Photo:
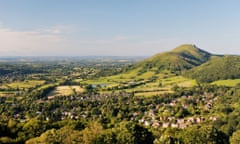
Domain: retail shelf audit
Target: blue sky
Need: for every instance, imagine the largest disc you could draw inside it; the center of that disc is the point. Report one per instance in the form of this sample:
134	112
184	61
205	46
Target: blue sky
117	27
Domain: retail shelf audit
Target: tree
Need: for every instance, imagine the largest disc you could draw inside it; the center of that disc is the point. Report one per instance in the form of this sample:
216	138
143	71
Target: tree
64	135
12	124
235	138
169	136
33	128
203	134
49	136
130	132
107	137
91	134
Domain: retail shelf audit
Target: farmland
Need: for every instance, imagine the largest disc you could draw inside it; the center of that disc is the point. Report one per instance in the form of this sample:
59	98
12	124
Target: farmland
114	99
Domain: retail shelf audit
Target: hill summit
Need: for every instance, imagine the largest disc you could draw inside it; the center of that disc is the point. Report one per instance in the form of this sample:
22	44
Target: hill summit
192	53
183	57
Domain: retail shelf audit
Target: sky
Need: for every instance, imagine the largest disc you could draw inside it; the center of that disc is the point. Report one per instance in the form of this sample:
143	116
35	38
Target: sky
117	27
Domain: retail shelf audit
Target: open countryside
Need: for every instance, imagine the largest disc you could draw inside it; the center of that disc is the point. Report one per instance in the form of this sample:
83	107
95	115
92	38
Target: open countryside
153	100
119	72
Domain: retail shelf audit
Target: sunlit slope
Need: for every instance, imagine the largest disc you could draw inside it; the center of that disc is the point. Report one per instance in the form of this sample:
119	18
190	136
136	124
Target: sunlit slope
157	74
181	58
161	65
217	68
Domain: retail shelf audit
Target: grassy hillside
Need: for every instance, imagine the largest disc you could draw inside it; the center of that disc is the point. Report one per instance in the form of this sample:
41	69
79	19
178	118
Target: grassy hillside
218	68
182	66
181	58
229	82
157	74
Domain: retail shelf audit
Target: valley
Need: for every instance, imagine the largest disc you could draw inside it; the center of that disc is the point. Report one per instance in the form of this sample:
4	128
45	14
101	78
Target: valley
171	97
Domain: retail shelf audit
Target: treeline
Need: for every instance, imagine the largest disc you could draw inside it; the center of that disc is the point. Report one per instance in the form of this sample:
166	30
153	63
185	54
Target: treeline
95	133
197	134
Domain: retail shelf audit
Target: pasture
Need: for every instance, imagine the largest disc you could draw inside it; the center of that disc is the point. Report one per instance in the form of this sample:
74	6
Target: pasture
65	91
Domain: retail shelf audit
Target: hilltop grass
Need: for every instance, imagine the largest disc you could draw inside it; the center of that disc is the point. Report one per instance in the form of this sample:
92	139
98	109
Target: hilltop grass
229	82
181	58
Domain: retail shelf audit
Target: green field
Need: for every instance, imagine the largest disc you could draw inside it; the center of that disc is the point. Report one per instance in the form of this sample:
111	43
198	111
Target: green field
65	91
25	84
163	82
229	82
4	94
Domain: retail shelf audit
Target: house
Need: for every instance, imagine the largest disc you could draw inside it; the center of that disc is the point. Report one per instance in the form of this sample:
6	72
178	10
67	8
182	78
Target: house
166	125
156	124
175	125
147	123
213	118
141	120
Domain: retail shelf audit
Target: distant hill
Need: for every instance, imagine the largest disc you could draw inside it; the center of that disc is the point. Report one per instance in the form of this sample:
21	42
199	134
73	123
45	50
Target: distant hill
181	58
191	62
217	68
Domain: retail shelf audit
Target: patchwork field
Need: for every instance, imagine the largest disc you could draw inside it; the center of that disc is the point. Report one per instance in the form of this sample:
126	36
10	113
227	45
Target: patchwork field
25	84
145	84
65	91
4	94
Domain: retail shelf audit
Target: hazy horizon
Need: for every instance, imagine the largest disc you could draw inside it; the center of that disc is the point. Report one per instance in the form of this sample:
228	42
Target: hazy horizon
116	28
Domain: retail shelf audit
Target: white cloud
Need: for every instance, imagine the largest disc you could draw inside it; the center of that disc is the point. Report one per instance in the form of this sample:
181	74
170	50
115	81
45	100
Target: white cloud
59	29
30	42
55	41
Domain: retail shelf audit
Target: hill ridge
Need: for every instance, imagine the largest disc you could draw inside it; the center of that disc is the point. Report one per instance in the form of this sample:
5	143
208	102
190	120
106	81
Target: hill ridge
217	68
181	58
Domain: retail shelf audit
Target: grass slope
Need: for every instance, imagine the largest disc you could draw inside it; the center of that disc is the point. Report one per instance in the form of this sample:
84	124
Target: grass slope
181	58
229	82
157	74
218	68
